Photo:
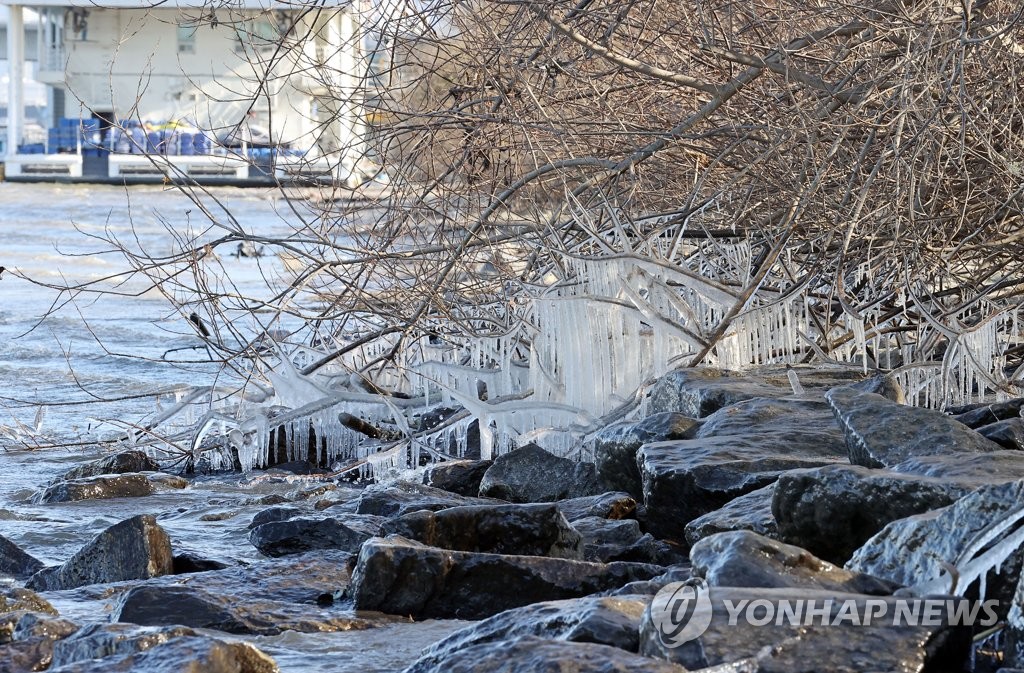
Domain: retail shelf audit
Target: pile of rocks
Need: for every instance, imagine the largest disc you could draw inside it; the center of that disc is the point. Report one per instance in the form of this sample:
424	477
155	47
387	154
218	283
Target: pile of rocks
840	494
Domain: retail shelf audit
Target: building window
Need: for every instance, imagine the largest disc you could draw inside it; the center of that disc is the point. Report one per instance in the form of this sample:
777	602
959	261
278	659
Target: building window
186	38
260	34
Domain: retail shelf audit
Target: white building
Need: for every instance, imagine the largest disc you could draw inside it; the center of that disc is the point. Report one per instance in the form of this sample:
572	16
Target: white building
242	73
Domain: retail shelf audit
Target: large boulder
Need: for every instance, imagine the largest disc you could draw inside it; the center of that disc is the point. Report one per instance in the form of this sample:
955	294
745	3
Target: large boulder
402	577
606	620
699	391
529	654
531	474
1008	434
913	550
833	636
688	478
457	476
616	505
15	562
833	510
881	433
119	463
615	447
997	467
28	646
403	497
98	488
100	640
272	514
751	511
137	548
295	536
187	606
745	559
807	421
529	530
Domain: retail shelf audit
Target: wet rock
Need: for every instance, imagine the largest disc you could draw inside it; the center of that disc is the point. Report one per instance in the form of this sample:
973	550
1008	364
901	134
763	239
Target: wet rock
885	385
997	467
688	478
97	641
655	584
294	536
833	510
607	540
274	514
191	654
98	488
745	559
32	641
528	530
169	481
615	447
1008	434
807	421
752	511
700	391
808	646
977	415
136	548
126	461
911	551
14	599
457	476
606	620
881	433
1015	628
531	474
187	606
403	577
186	562
607	506
15	562
392	500
529	654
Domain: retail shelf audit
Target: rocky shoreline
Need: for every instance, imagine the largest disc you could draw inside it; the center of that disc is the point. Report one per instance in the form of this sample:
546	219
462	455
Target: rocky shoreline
730	481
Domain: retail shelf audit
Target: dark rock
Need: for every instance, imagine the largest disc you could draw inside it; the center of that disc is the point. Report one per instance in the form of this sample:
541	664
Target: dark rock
402	577
978	415
186	562
392	500
809	646
274	514
700	391
136	548
186	606
294	536
1008	434
808	421
457	476
881	433
655	584
833	510
745	559
751	511
607	506
31	642
607	540
98	488
615	447
97	641
531	474
606	620
300	467
688	478
536	655
170	481
997	467
126	461
528	530
911	551
191	654
1015	628
885	385
16	563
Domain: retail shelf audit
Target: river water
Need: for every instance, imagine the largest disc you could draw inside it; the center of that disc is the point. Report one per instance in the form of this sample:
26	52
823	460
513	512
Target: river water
58	351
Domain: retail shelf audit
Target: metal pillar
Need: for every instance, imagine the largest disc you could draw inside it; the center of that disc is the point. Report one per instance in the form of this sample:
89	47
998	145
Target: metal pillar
16	75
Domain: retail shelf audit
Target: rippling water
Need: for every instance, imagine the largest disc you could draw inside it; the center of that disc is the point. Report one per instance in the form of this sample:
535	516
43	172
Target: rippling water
52	355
